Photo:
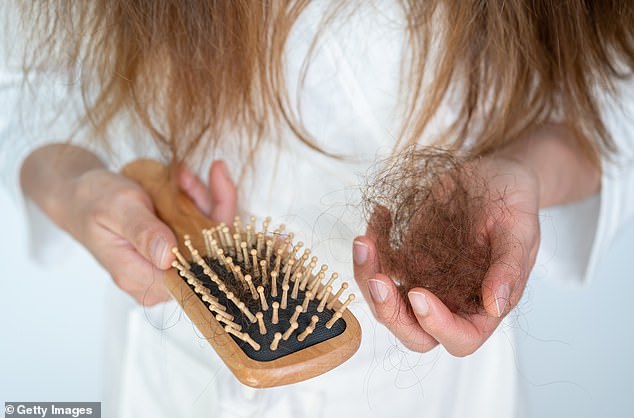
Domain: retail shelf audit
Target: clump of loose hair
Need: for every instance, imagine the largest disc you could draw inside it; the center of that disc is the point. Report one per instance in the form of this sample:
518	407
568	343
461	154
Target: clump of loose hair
427	208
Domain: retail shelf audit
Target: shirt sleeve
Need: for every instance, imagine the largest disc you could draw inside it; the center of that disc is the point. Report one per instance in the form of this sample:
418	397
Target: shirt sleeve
617	184
36	108
576	237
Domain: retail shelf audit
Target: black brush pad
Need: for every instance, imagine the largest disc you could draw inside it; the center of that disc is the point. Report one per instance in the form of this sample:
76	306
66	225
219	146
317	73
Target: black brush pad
292	345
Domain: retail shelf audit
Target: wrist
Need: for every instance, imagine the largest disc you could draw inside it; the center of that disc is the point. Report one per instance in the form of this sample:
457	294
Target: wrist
562	170
50	176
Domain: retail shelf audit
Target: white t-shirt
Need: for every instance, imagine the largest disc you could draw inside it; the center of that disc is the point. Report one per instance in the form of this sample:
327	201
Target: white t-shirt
163	368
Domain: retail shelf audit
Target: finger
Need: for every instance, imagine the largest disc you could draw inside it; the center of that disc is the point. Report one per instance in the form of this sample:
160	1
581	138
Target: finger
506	275
191	184
224	197
382	295
132	218
364	254
366	265
459	335
131	271
381	292
391	310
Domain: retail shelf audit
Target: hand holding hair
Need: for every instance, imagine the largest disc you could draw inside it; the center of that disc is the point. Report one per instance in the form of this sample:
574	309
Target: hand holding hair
450	244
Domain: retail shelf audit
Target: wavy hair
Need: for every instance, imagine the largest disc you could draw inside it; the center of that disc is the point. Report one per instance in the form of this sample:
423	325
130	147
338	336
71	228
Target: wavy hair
190	71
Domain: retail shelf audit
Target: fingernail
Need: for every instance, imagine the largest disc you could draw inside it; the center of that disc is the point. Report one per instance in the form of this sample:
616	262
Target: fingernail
419	303
359	252
502	298
378	290
159	251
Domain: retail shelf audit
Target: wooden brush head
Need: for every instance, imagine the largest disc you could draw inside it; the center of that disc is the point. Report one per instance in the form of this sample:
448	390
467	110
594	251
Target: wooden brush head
269	312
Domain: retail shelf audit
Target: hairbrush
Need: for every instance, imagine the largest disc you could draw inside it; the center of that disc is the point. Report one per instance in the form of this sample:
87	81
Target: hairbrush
272	315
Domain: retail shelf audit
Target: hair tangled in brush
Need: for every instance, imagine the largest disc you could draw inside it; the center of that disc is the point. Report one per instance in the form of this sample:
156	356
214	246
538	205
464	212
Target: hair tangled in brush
428	209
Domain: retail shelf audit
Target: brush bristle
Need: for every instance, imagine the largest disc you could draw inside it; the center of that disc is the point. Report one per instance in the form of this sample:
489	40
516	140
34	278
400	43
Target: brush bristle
267	296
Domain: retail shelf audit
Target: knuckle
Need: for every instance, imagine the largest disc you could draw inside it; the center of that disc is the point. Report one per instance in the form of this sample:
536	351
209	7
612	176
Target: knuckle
419	346
390	318
98	215
463	351
123	196
149	300
153	299
143	235
458	352
124	283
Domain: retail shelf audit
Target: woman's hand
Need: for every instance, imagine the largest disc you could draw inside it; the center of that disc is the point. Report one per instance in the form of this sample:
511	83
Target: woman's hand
114	218
432	322
544	169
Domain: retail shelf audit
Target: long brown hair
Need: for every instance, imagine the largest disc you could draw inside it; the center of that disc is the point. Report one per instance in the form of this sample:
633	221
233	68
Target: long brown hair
190	71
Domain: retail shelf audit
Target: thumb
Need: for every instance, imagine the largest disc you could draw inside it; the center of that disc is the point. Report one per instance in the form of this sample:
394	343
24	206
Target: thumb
505	276
136	222
224	197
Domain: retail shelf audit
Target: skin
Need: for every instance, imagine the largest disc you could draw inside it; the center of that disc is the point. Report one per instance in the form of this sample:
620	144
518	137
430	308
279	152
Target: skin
545	168
114	219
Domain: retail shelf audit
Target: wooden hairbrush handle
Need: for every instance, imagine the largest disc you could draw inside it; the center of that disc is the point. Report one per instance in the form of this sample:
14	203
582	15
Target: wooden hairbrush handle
179	212
172	205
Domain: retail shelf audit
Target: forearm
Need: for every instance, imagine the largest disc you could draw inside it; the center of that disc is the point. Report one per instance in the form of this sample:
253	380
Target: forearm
564	172
48	172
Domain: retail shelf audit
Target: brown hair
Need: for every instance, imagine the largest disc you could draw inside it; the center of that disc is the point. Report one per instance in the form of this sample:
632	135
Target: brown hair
428	210
192	71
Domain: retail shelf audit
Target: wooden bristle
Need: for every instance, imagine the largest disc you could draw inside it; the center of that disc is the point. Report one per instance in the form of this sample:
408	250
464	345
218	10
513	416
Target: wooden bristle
228	322
246	311
276	341
298	310
254	292
274	316
221	237
278	261
269	250
221	256
332	320
180	258
221	310
322	304
309	329
273	284
346	303
295	291
265	225
265	306
243	336
335	298
259	316
245	255
290	330
264	273
237	226
260	244
254	261
228	239
307	298
236	245
287	273
284	296
249	241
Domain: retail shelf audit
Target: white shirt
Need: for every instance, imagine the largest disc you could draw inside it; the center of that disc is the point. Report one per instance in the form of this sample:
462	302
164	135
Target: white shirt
165	369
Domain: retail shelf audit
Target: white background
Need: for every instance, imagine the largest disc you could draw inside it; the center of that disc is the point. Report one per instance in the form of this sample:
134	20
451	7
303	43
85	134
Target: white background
575	351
